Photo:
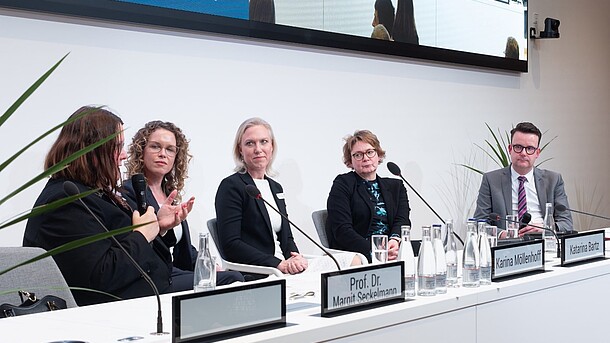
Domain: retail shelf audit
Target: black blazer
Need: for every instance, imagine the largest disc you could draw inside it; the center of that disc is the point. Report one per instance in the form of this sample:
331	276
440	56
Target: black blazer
350	211
244	227
101	265
185	254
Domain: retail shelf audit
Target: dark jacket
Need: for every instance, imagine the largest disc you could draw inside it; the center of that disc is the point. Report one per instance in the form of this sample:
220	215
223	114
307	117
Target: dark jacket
350	211
184	253
244	227
100	265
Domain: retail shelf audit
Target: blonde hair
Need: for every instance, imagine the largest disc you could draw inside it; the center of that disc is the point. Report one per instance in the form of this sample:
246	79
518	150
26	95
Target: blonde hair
240	165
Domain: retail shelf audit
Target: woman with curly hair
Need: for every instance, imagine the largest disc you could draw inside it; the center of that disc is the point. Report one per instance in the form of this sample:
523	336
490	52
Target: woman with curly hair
160	151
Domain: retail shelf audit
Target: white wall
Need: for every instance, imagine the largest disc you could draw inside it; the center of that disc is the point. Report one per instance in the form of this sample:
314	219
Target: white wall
427	115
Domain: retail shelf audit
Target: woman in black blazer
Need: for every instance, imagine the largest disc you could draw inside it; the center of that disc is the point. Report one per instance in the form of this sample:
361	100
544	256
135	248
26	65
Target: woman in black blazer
361	203
160	151
247	231
101	265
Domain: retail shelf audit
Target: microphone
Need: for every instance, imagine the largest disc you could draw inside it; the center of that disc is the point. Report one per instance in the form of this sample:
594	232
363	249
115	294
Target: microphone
395	170
523	222
562	208
256	194
139	186
71	189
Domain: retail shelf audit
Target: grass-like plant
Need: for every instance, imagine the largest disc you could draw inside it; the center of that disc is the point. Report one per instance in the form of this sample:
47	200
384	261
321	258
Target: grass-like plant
499	149
54	169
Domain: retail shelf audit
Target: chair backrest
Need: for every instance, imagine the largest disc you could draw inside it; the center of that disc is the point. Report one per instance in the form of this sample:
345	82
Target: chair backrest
319	221
213	228
42	277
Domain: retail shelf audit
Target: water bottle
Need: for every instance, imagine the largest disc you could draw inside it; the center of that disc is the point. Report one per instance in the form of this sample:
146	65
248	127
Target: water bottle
470	258
550	243
406	255
426	265
440	261
484	258
204	276
451	256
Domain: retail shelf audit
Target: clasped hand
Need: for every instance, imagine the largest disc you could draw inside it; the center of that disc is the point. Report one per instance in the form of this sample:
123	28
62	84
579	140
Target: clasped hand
293	265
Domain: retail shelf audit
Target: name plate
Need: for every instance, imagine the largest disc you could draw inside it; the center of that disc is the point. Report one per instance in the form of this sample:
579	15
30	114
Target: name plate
360	288
518	258
581	247
229	312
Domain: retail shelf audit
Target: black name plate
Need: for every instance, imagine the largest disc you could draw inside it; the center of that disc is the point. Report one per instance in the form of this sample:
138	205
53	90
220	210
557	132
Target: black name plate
518	258
356	289
582	247
229	312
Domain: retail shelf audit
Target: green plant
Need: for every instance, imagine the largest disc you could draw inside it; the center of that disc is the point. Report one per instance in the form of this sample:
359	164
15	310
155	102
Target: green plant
499	150
57	167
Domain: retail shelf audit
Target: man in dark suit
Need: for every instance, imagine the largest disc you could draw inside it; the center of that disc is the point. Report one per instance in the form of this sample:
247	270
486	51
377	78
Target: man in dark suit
521	187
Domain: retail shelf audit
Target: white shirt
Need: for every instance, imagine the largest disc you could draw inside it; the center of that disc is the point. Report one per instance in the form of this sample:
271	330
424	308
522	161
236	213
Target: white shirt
274	217
533	207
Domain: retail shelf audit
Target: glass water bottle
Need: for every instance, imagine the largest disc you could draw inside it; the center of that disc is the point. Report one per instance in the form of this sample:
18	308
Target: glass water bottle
470	258
550	242
204	276
451	256
406	255
440	261
426	265
484	257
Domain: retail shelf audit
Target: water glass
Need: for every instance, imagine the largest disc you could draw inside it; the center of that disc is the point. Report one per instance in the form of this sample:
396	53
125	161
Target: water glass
379	249
512	226
492	235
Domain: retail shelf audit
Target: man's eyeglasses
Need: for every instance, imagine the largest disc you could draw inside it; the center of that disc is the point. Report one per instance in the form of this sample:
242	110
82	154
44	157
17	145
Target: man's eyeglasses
530	150
170	150
360	155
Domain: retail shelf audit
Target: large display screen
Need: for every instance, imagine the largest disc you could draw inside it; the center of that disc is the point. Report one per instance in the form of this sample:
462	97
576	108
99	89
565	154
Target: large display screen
485	33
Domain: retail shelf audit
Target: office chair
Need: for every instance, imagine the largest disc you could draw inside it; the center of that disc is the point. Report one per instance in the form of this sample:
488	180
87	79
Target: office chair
240	267
42	277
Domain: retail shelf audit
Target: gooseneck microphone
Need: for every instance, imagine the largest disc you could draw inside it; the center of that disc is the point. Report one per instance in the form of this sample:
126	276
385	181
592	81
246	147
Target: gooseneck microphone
256	194
562	208
523	222
71	189
395	170
139	186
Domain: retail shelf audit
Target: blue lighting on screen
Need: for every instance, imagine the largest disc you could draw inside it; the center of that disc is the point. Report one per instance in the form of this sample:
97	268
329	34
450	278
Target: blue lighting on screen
226	8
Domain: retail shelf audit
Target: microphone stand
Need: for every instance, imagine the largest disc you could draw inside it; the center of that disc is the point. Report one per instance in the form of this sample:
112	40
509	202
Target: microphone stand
71	189
256	194
395	170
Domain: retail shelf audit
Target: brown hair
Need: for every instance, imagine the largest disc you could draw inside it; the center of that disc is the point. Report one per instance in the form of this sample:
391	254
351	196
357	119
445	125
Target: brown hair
175	178
526	127
361	136
98	168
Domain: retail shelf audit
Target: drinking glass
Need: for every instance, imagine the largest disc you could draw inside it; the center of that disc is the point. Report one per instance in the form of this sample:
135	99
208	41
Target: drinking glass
512	226
379	249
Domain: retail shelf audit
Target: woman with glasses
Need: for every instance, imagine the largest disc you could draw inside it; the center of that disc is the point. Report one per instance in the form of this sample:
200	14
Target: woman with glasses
361	203
99	266
249	230
160	151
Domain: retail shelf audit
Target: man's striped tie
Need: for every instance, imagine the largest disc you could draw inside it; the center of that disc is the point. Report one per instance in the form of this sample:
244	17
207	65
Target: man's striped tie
522	202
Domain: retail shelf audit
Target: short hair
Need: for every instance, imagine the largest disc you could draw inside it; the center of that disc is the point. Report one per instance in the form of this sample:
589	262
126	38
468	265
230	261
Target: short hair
512	48
361	136
380	32
385	14
262	10
175	178
526	127
240	165
98	168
